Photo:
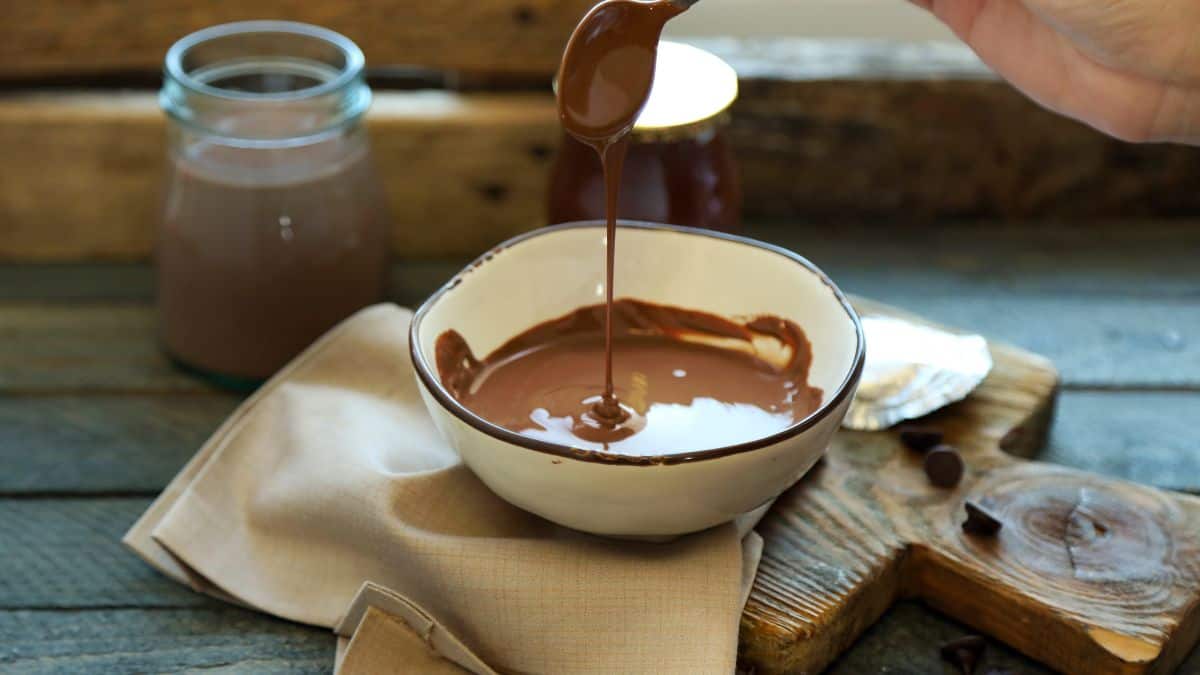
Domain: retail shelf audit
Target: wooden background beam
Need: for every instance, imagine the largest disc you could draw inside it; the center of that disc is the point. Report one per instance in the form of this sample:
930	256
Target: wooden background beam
51	37
826	132
83	171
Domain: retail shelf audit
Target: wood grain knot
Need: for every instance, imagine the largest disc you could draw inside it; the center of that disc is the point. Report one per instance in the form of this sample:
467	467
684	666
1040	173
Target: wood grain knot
1106	552
1083	531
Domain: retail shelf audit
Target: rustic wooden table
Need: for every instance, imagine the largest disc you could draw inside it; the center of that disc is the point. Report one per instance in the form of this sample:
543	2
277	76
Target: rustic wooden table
94	421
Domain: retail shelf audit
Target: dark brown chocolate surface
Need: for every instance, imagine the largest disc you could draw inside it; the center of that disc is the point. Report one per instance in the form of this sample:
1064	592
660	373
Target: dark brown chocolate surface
687	380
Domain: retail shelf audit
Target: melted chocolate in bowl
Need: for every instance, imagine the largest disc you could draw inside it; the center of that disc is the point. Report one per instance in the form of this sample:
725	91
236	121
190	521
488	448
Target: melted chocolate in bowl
687	380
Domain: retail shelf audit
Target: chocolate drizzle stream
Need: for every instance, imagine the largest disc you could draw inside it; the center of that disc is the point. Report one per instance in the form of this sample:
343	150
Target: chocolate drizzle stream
603	82
612	157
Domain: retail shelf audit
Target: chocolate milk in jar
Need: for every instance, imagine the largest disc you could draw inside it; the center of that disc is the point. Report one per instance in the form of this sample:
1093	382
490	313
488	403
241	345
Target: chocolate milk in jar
274	226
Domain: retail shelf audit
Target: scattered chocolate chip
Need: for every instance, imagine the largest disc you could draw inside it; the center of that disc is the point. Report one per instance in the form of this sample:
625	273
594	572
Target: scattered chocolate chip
964	653
944	466
540	151
980	521
920	438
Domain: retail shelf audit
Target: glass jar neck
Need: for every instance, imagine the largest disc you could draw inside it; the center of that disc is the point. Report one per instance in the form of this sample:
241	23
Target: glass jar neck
265	83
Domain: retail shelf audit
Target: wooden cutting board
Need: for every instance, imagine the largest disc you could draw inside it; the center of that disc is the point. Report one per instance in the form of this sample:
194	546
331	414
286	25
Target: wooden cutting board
1088	575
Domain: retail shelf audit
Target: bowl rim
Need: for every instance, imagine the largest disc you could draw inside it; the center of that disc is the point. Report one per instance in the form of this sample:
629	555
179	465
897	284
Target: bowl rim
434	385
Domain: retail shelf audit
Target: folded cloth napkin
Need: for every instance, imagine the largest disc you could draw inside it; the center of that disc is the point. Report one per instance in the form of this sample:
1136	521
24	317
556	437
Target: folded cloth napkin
332	478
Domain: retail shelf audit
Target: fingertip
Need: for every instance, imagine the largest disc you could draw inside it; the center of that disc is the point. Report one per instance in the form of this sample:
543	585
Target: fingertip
958	15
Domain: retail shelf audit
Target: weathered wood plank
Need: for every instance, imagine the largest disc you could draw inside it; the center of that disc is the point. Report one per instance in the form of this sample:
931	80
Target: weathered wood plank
895	147
1094	341
224	639
904	642
1112	309
124	444
107	444
76	282
99	347
67	553
1116	259
71	36
1145	437
57	283
833	131
877	99
1071	258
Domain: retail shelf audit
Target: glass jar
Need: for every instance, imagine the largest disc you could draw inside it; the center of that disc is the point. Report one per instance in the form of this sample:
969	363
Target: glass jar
680	168
274	227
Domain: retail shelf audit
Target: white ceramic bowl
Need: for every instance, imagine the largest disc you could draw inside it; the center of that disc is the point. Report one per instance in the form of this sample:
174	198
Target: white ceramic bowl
549	272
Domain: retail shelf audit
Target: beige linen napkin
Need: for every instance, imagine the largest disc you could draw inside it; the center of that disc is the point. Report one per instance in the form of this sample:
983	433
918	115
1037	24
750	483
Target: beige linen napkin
332	475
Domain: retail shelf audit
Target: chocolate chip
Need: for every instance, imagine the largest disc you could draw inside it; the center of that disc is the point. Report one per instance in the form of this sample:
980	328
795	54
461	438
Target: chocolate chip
964	653
944	466
920	438
980	521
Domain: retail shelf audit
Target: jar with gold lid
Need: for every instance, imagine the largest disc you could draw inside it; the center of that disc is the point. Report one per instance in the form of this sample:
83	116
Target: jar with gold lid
680	167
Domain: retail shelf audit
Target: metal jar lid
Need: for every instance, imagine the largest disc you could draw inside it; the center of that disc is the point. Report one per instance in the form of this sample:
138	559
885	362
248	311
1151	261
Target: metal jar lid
691	95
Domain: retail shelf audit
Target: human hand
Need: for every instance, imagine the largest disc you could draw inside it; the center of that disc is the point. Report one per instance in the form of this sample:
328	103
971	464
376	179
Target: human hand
1130	68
